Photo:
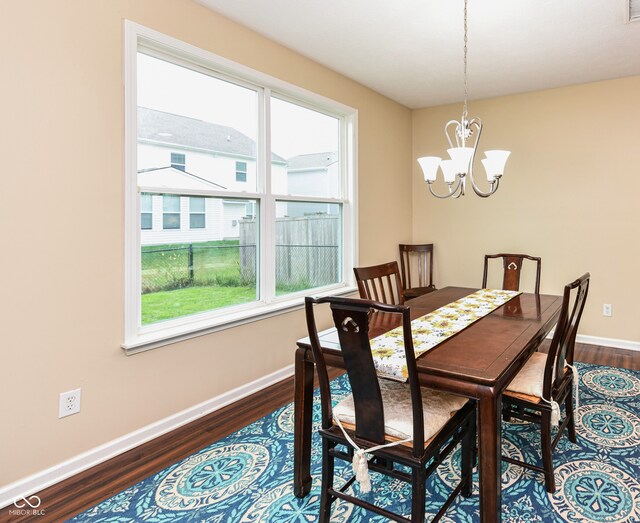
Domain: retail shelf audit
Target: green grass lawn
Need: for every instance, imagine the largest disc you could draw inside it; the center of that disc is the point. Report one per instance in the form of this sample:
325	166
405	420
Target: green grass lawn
165	305
223	275
166	267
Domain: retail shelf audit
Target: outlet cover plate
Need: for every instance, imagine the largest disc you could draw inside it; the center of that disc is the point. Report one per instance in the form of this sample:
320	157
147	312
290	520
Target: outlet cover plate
69	403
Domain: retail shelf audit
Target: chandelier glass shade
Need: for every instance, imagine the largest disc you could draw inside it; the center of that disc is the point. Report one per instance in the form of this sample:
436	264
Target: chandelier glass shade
463	137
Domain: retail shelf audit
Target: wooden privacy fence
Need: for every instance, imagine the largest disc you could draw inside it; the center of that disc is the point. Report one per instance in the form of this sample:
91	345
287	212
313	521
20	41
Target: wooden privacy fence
307	250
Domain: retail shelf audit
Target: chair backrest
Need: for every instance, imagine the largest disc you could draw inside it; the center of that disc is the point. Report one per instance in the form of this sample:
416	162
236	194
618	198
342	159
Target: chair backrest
380	283
419	257
512	264
351	317
564	336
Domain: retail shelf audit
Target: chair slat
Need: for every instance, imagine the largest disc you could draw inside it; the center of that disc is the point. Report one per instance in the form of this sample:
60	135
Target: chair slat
380	283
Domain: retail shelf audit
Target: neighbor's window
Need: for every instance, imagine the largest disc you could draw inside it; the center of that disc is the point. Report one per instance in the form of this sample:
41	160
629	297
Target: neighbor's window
170	211
146	212
197	218
178	161
265	227
241	171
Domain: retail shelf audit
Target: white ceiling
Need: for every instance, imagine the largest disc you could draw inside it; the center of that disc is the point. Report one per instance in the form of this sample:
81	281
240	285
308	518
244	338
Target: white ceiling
411	51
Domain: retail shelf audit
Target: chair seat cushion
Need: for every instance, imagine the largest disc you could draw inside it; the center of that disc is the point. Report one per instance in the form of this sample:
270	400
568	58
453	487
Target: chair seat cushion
398	419
530	379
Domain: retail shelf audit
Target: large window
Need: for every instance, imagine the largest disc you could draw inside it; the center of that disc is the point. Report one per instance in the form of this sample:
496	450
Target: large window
265	214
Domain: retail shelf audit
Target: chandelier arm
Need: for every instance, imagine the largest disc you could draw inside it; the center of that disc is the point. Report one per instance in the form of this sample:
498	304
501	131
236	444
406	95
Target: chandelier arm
446	130
482	194
477	122
441	196
452	192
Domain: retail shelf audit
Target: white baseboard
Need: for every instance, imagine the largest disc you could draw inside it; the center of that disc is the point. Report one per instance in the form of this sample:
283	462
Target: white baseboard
41	480
608	342
605	342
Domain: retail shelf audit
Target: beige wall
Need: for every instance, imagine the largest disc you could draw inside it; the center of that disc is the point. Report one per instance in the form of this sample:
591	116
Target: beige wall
62	294
569	195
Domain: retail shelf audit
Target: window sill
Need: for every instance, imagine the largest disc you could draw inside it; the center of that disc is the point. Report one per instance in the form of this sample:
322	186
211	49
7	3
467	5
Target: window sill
175	334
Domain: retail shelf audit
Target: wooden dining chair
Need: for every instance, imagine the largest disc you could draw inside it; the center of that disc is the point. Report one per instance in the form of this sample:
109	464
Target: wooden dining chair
380	283
512	264
397	423
548	380
420	258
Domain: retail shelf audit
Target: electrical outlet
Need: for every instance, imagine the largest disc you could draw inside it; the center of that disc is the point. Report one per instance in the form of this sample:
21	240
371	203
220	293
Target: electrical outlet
606	309
69	403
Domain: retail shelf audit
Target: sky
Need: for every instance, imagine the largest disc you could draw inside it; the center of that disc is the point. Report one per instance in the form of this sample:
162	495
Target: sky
171	88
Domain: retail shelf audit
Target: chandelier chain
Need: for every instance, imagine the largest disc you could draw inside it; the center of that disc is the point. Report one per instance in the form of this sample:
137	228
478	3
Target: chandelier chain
464	112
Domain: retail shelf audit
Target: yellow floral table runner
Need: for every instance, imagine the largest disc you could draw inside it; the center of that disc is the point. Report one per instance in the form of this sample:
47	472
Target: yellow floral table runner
433	328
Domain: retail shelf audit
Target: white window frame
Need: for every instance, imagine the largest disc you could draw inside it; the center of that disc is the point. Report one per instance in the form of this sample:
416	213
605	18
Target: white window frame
139	338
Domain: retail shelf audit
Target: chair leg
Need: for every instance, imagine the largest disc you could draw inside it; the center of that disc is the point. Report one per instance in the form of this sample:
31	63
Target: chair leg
547	461
506	412
327	481
467	456
418	494
571	425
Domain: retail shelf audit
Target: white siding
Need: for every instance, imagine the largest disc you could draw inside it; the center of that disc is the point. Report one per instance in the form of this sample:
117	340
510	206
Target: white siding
233	213
220	216
213	224
217	169
323	181
279	179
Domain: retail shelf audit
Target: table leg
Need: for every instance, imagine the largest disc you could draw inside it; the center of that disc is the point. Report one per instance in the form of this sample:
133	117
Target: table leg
303	406
489	443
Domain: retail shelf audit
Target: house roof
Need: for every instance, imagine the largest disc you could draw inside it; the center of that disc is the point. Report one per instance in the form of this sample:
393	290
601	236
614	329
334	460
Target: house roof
312	161
183	131
175	179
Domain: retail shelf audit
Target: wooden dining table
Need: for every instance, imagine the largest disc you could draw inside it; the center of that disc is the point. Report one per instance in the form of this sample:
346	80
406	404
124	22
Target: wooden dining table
477	362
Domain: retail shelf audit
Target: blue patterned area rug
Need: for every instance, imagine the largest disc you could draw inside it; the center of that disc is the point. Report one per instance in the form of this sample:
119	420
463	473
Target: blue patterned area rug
247	477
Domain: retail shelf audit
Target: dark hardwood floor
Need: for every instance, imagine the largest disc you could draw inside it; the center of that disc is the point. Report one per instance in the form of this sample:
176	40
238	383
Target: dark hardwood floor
80	492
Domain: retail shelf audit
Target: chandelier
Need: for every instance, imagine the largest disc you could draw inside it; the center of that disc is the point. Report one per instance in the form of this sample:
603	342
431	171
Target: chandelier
465	134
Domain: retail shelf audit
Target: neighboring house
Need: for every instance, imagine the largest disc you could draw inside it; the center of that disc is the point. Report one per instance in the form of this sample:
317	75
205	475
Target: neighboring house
166	218
315	174
178	152
217	153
